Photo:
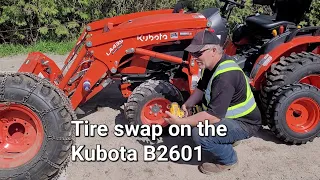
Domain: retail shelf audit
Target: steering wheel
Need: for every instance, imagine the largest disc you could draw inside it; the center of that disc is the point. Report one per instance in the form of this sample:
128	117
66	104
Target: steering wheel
241	5
228	6
183	4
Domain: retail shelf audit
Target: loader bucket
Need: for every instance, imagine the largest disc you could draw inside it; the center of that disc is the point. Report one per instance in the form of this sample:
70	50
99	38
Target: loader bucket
40	65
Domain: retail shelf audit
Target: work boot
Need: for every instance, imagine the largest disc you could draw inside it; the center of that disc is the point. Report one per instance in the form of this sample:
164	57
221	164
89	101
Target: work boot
210	168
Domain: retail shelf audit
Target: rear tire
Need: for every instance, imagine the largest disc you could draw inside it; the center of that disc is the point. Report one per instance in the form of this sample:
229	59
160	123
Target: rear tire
299	122
148	102
289	70
42	115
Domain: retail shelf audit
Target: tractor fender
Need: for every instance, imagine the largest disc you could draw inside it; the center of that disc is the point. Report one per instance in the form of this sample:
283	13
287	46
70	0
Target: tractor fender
265	60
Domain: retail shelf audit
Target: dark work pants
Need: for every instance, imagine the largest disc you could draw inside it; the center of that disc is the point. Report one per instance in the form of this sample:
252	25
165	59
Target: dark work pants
221	147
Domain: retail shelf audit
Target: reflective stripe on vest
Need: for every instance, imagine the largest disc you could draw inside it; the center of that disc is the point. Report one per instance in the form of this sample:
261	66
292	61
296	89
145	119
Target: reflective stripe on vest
237	110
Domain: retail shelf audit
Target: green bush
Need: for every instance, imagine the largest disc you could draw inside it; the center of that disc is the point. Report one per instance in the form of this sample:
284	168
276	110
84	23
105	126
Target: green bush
313	17
28	21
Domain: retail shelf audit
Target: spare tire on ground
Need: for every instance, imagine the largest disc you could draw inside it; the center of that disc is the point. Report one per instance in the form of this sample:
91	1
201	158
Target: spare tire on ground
36	134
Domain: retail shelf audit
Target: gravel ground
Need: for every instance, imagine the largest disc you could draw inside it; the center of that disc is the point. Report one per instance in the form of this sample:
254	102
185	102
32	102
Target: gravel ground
260	157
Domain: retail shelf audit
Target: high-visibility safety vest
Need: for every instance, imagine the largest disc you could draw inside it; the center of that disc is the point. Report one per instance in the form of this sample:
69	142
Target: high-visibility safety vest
238	110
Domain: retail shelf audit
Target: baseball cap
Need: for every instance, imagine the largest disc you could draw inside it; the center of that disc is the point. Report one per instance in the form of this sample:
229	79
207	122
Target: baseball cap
201	39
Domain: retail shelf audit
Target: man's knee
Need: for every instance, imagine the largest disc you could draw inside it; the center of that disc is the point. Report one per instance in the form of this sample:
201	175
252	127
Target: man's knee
204	141
195	135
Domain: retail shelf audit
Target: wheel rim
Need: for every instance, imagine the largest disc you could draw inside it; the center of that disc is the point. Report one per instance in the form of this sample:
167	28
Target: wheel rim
312	80
153	111
303	115
21	135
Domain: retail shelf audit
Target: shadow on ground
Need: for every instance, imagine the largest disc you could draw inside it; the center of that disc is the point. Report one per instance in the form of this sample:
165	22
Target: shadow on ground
109	97
266	134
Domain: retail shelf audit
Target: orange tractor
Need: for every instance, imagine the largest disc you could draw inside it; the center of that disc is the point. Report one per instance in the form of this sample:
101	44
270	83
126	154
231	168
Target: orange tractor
145	51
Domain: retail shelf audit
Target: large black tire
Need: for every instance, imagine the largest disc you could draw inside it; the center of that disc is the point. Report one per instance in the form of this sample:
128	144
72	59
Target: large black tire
53	111
288	70
145	92
277	113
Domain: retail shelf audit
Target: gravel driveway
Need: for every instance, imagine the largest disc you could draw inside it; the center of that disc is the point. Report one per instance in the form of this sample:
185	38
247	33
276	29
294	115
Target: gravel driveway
260	157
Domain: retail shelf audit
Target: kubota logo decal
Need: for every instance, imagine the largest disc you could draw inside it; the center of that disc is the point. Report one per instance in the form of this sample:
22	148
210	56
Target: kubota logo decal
150	37
115	47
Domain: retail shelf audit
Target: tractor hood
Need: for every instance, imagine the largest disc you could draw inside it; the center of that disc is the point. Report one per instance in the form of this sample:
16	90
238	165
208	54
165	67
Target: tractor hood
151	24
159	22
172	20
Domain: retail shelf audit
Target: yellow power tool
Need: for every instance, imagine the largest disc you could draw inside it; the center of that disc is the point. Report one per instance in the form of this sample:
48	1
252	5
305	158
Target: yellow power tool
176	110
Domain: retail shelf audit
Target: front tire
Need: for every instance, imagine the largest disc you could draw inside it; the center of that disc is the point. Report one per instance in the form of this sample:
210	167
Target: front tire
36	134
149	101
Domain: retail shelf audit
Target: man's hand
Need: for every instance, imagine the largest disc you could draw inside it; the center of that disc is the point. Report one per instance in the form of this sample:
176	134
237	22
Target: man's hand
195	98
192	120
172	118
186	110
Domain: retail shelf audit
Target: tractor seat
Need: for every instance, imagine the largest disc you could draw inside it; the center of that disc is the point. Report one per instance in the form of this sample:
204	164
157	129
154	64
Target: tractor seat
265	22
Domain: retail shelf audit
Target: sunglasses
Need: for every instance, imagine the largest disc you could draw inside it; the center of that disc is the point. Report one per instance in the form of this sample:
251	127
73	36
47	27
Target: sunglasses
199	53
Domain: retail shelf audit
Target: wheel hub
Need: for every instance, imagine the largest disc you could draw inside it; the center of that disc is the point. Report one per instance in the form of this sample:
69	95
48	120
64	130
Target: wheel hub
154	111
21	135
302	115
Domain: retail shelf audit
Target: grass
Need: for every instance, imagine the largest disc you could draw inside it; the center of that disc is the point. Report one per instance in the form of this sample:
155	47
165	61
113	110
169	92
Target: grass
60	48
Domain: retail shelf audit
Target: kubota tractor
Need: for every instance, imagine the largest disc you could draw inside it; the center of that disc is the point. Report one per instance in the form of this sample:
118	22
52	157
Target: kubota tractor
145	51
